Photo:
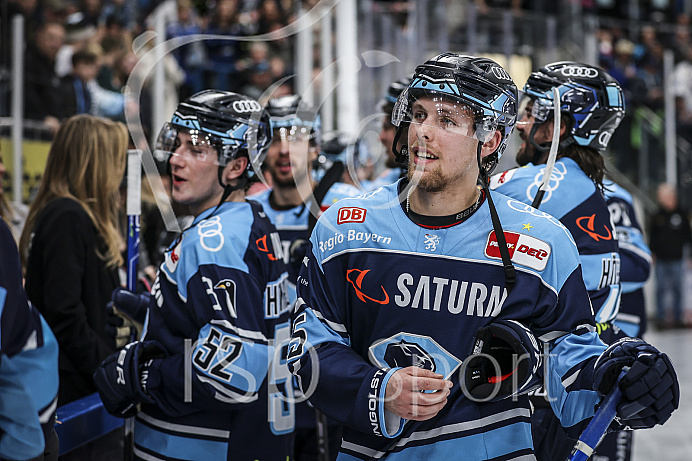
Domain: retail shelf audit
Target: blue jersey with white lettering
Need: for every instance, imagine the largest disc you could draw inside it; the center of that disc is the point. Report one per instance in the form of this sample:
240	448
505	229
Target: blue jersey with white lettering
573	198
292	225
220	308
376	285
28	363
635	256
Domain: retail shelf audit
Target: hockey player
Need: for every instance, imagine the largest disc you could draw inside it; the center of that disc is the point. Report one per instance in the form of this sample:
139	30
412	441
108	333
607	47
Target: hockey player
289	204
295	199
402	285
631	318
591	107
635	255
28	366
210	371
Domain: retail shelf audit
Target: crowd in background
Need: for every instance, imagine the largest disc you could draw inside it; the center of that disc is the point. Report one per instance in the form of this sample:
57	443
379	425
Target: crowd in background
81	53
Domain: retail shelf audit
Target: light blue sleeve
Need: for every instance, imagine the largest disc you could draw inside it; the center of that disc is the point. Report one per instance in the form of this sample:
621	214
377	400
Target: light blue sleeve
22	437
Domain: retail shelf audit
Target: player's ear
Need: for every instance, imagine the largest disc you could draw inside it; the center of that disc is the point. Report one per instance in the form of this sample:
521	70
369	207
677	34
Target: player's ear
235	168
491	144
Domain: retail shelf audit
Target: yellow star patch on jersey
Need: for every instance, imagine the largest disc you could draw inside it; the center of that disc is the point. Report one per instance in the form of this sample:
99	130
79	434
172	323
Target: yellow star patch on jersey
527	227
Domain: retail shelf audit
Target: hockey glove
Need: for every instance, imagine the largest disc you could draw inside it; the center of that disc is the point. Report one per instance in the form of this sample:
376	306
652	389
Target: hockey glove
506	361
131	304
121	378
119	327
650	389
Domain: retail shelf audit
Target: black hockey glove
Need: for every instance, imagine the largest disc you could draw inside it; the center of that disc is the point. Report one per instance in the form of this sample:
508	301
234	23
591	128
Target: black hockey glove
131	304
516	368
121	378
650	389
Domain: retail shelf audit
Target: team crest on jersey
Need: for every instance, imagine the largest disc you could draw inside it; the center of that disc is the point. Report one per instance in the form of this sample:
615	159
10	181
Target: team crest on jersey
523	249
173	256
431	242
408	349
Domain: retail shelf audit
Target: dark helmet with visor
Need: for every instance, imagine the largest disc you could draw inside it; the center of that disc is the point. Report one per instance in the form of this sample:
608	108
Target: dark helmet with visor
589	97
295	118
233	124
474	86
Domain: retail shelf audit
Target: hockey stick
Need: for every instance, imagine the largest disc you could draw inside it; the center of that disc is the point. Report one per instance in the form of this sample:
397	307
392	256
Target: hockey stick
134	210
550	163
598	426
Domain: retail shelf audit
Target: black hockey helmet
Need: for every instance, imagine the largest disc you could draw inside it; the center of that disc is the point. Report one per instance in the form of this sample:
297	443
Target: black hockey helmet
296	116
233	124
589	97
480	84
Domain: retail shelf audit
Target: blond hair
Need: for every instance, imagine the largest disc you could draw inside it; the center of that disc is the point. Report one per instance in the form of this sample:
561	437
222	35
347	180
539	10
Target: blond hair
86	163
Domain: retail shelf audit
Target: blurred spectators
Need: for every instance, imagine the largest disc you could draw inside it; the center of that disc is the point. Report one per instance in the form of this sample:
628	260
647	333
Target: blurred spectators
223	53
41	83
190	57
75	96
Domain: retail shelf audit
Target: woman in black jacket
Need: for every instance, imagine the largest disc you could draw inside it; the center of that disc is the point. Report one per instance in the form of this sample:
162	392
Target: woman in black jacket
71	245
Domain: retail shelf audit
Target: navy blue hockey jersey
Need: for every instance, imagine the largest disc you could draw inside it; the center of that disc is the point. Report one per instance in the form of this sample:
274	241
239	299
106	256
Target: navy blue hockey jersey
220	308
28	363
375	285
292	225
572	197
635	256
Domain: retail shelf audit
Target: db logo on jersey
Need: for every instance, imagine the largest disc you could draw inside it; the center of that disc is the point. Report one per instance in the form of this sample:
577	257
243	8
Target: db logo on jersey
523	249
351	214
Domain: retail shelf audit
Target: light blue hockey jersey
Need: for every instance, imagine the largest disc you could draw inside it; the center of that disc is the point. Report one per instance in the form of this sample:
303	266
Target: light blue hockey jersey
635	256
572	197
374	281
220	308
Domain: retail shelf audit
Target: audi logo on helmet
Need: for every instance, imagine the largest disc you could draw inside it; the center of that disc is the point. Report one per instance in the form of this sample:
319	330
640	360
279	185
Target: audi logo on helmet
604	138
501	74
246	105
574	71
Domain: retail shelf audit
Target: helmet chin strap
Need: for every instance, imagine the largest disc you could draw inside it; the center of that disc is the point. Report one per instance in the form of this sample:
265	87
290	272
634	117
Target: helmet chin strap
510	273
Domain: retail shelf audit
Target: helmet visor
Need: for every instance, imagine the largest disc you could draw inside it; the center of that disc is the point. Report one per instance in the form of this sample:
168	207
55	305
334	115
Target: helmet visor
193	145
540	107
422	110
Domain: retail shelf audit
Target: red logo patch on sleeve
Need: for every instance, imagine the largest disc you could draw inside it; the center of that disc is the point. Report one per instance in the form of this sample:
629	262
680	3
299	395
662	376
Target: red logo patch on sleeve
351	214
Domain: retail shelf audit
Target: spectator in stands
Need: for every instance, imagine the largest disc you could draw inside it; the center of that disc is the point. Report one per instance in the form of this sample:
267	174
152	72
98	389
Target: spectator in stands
192	56
78	35
112	48
14	214
71	245
223	53
75	96
41	84
670	234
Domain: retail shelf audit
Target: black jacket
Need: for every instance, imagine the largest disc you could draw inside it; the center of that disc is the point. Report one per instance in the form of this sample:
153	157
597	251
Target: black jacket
670	232
70	285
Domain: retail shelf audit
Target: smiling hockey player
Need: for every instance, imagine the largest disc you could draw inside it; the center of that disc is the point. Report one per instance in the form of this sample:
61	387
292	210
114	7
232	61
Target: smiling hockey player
210	371
386	328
